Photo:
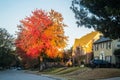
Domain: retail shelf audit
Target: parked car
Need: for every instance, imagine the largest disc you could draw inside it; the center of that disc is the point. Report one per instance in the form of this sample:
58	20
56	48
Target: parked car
99	63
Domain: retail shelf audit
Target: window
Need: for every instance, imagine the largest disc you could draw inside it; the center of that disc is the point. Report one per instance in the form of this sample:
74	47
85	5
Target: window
108	58
106	45
97	46
103	45
118	45
109	45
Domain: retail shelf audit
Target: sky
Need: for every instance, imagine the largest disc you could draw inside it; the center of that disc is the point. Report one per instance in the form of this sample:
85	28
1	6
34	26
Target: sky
12	11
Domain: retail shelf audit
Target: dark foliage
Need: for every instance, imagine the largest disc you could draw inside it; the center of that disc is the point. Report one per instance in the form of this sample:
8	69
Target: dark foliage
7	58
117	52
102	15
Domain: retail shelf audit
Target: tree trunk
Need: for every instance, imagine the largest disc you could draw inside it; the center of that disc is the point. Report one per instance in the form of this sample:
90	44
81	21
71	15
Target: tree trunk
39	63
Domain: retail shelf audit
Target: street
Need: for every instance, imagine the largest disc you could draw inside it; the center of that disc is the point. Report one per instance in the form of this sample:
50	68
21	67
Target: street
21	75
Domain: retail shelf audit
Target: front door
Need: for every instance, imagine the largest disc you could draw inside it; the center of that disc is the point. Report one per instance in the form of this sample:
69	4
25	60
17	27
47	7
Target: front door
102	56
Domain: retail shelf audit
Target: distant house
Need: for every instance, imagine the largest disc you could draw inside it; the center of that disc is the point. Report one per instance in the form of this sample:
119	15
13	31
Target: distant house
104	49
82	48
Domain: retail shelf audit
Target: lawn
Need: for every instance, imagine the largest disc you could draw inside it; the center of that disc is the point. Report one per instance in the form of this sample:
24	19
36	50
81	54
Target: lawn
78	73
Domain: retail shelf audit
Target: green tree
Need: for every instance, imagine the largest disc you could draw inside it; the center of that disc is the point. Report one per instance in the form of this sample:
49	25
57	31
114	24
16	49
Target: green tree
6	47
102	15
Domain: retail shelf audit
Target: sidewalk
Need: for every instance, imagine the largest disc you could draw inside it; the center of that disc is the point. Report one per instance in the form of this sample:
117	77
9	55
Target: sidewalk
116	78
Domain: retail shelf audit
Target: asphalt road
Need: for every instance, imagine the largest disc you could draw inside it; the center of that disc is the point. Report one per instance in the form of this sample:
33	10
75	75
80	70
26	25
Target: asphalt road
21	75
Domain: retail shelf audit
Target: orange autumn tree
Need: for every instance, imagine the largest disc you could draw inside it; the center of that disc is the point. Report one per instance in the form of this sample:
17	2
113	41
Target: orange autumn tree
56	30
41	33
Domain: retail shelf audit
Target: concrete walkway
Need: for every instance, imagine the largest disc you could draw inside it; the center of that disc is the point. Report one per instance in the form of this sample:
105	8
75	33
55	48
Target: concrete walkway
116	78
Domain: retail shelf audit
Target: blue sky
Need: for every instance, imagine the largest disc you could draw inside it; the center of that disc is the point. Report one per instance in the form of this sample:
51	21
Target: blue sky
12	11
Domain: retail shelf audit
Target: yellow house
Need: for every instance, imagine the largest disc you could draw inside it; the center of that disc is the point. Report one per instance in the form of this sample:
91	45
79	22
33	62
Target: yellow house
104	49
83	46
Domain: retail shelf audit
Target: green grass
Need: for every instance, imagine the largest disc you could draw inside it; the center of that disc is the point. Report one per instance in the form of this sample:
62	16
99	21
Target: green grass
48	71
60	71
68	70
57	70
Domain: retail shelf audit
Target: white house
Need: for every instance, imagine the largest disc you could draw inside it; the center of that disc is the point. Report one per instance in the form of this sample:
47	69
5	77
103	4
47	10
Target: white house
104	48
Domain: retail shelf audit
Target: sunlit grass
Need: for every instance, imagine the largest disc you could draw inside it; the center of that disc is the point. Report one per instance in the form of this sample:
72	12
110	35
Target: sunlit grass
68	70
57	70
60	71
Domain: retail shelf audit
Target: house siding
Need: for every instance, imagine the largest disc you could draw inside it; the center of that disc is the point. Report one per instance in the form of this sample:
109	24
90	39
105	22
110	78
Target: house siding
85	44
107	48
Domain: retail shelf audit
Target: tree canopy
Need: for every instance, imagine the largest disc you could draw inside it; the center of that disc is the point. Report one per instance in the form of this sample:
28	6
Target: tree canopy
102	15
6	48
41	33
6	40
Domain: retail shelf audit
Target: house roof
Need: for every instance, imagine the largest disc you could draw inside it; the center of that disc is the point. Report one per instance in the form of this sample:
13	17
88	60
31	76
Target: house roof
102	39
85	39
